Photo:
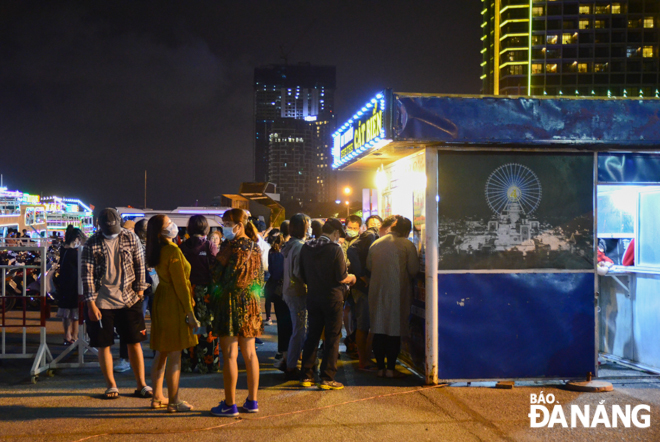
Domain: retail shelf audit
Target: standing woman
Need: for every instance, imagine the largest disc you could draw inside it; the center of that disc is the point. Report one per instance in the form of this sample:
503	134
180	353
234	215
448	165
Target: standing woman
200	253
172	318
239	279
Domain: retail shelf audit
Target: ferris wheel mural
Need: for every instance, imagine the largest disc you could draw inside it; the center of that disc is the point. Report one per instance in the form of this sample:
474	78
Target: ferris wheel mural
513	186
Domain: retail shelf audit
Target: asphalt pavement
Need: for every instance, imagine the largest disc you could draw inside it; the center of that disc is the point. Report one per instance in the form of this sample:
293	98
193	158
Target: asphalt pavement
68	407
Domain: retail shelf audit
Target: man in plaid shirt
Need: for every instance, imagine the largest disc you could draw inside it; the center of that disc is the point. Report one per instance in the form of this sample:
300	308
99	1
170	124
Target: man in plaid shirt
113	275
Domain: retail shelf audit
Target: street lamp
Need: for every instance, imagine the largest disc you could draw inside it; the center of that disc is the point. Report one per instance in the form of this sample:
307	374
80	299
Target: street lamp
347	209
347	190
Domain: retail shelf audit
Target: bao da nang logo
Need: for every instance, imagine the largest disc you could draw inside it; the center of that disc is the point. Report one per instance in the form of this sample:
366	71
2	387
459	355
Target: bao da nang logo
545	411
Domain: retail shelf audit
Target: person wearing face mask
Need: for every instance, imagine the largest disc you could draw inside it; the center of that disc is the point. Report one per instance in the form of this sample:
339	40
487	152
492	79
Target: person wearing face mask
67	282
353	225
200	253
323	268
172	321
235	302
295	292
357	256
114	279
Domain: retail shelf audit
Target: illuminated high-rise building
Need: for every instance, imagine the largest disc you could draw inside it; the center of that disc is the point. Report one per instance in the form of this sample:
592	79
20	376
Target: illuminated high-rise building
571	47
294	119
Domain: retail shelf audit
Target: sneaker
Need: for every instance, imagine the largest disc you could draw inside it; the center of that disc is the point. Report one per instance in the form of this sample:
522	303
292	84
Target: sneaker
268	322
258	341
278	355
330	385
251	406
280	365
222	410
122	366
307	382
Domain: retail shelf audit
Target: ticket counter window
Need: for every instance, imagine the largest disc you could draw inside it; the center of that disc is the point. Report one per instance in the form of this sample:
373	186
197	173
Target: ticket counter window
627	220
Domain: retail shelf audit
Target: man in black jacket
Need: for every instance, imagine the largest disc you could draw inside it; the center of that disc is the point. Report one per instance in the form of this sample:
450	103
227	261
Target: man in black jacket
323	269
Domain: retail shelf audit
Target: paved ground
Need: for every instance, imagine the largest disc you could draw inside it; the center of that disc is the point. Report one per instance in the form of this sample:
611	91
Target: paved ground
67	407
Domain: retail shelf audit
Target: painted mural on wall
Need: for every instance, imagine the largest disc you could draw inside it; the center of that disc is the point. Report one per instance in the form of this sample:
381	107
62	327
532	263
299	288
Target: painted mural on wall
521	211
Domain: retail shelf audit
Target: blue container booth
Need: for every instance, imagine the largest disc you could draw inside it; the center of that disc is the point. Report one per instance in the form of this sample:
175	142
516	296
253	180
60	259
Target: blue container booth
503	194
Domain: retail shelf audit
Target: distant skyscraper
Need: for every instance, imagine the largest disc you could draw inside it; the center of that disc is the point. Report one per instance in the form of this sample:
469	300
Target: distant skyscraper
293	106
570	47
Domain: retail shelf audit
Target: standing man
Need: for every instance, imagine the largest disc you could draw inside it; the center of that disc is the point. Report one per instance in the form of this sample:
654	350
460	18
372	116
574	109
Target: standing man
357	256
353	225
113	274
323	269
295	292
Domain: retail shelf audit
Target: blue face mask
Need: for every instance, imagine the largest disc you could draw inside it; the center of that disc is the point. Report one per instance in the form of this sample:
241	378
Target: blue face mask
228	233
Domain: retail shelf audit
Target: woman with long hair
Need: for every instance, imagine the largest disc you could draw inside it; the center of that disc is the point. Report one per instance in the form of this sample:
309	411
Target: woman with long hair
235	299
172	318
200	253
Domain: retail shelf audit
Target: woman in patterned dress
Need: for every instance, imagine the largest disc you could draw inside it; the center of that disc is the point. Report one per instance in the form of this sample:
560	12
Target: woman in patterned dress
239	279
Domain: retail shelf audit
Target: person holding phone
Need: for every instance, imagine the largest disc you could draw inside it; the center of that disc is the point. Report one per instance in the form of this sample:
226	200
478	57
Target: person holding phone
173	321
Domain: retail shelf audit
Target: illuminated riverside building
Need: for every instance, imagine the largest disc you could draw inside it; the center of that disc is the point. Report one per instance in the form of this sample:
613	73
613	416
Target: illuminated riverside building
297	102
571	48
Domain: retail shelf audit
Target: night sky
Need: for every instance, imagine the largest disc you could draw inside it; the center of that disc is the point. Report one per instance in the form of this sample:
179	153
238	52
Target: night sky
94	93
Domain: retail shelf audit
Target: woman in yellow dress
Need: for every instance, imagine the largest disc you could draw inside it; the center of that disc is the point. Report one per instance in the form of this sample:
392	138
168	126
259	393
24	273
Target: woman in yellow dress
172	319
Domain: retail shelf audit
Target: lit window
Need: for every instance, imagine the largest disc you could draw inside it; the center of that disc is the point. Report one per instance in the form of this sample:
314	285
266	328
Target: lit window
551	68
537	68
568	39
583	67
632	52
648	22
648	51
599	24
603	9
600	67
552	39
585	9
537	11
616	8
585	24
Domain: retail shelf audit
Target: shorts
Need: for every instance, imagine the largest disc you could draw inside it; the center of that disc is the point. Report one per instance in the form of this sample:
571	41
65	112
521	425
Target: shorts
128	321
361	310
68	313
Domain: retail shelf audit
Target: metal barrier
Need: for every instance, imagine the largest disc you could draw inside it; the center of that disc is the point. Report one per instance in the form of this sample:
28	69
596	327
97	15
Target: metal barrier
42	357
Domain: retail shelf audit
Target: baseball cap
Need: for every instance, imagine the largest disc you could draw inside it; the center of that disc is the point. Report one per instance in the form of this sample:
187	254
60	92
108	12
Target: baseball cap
109	221
336	225
128	224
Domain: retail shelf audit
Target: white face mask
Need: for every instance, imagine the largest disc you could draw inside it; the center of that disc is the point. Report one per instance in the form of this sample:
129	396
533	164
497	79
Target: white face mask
309	232
171	231
111	236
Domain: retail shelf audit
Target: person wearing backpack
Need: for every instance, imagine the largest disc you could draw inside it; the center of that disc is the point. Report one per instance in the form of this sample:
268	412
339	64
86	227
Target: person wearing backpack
68	284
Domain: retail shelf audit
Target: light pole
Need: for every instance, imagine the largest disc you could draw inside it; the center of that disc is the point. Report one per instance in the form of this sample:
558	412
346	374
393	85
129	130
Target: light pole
347	192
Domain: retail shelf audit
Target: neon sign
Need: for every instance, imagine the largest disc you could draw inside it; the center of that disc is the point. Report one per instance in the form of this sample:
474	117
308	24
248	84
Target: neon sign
364	132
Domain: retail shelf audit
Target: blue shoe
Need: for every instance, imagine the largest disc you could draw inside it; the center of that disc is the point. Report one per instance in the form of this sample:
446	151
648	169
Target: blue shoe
223	410
251	406
258	341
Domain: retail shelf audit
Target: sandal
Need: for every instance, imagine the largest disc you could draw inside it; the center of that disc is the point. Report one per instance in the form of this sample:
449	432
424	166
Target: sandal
111	393
157	404
182	406
146	392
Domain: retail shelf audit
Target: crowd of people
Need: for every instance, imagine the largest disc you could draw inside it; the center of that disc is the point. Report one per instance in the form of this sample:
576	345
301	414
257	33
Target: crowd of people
204	293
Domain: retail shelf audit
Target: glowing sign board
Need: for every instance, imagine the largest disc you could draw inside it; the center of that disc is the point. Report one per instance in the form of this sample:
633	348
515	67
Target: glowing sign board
366	131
